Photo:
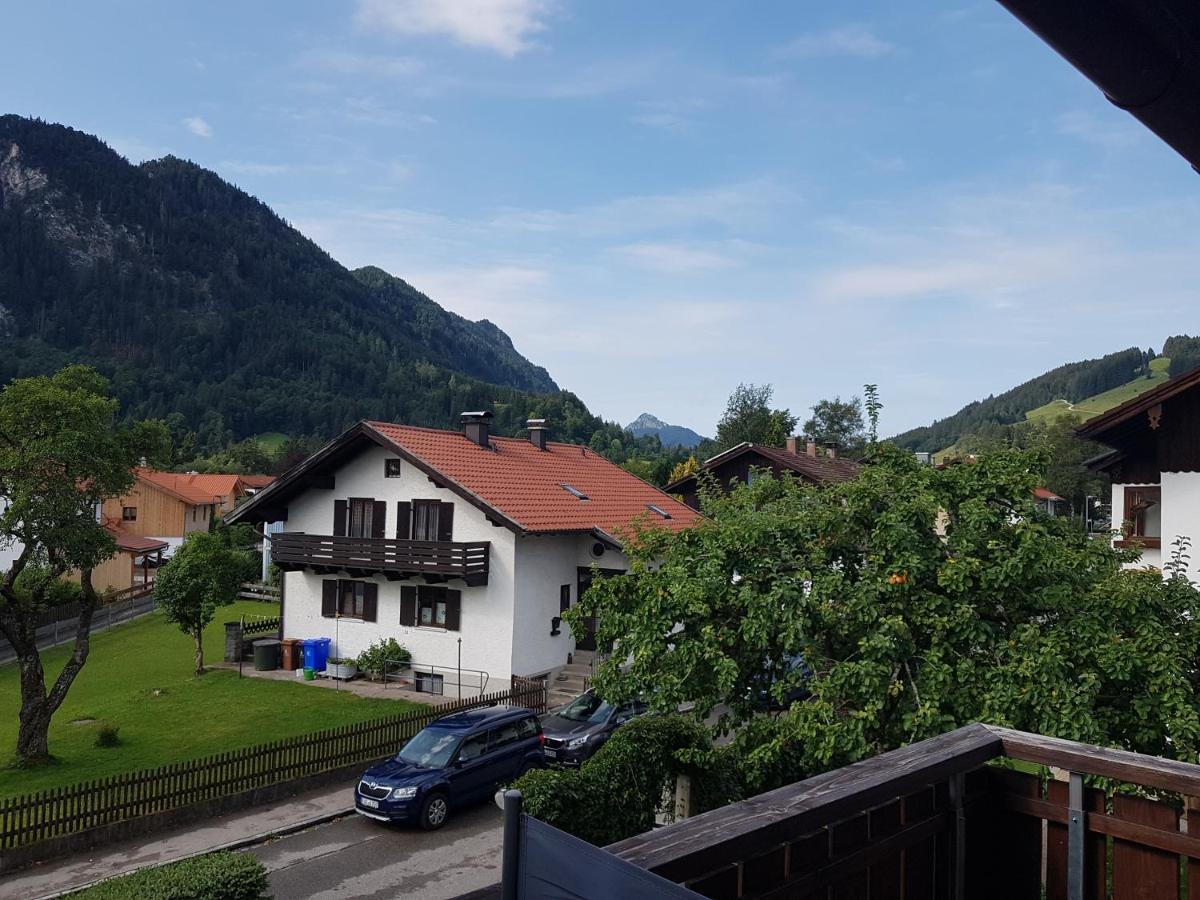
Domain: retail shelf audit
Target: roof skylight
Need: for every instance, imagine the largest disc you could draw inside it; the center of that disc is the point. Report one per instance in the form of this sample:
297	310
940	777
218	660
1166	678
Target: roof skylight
574	492
658	510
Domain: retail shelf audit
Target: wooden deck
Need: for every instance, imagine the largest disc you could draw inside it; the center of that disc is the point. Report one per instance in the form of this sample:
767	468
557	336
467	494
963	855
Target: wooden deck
395	558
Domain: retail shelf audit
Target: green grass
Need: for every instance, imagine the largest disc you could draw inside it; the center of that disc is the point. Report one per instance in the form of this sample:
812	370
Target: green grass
139	677
1100	403
271	441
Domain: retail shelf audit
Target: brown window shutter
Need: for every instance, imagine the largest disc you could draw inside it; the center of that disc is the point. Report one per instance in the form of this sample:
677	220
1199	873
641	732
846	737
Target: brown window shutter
370	601
379	519
403	520
408	605
329	598
453	610
446	522
339	518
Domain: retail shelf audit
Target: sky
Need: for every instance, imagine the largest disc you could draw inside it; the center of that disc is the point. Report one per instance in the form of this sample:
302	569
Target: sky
658	201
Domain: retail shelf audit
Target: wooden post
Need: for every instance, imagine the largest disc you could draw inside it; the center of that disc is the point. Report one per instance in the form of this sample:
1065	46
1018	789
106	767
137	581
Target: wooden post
685	806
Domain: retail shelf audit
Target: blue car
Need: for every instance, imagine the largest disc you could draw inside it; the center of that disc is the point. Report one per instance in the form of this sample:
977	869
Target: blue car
457	760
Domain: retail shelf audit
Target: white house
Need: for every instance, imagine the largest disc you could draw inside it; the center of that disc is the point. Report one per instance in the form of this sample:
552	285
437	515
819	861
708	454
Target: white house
9	552
1155	469
440	537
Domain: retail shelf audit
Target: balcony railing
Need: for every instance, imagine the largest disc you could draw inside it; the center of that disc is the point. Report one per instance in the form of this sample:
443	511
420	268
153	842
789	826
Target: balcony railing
937	820
432	560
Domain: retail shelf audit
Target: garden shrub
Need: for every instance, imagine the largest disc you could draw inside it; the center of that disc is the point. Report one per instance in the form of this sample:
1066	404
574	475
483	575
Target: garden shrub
389	650
217	876
108	735
614	795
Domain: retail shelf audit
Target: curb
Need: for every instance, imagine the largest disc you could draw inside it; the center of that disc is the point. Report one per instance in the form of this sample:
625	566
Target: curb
239	844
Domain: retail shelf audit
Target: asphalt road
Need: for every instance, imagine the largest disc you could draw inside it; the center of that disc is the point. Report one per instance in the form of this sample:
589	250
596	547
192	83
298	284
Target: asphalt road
357	857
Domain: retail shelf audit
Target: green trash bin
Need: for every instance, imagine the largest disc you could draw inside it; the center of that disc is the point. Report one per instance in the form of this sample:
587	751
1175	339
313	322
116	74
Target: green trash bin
266	655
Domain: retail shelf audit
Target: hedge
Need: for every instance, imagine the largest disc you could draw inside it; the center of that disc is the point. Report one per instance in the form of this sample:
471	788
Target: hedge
616	793
217	876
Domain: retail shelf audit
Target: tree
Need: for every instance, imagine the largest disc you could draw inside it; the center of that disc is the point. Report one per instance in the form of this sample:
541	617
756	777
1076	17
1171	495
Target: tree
688	467
204	574
838	423
748	417
62	454
873	406
921	600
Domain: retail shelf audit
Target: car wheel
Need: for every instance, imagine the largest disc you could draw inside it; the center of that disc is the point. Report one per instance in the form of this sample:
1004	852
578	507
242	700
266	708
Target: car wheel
434	812
529	765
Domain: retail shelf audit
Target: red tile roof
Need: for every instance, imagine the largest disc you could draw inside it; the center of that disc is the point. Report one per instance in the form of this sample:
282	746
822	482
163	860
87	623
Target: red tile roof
524	483
1045	494
819	469
256	482
132	543
191	487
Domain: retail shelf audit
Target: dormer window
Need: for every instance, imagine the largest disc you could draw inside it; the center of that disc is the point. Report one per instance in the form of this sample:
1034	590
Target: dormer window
658	510
574	492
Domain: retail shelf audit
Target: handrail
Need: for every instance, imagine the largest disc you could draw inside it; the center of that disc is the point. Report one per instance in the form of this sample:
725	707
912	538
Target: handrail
456	559
438	670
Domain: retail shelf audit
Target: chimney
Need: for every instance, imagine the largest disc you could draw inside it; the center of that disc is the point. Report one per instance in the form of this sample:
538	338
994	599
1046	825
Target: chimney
810	449
538	432
476	426
831	450
792	446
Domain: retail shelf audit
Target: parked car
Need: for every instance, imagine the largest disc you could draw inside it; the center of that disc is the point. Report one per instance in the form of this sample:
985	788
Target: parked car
450	763
575	731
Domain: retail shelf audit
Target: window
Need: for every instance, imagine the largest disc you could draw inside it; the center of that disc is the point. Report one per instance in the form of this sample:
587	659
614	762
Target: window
527	728
361	513
426	514
391	468
504	735
129	513
351	599
1143	516
574	492
193	514
473	747
430	607
347	599
658	510
564	598
428	683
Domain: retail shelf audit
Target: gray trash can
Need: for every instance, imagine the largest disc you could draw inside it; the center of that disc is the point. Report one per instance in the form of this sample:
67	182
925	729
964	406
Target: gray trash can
266	655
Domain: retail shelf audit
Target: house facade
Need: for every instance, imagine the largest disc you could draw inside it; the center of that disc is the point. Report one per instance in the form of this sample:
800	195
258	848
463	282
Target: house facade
165	506
1154	465
451	542
737	465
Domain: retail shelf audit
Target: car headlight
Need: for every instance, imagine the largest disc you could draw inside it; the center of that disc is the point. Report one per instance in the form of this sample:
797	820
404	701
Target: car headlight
576	743
404	793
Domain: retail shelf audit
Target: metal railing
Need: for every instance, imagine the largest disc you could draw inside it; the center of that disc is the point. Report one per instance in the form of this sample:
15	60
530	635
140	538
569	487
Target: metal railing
425	677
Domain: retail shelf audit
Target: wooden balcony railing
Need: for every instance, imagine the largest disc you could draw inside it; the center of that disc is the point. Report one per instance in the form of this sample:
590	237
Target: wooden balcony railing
936	820
433	560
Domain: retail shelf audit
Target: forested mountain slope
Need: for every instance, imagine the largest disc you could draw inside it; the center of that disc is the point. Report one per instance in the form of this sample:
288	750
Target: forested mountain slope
205	306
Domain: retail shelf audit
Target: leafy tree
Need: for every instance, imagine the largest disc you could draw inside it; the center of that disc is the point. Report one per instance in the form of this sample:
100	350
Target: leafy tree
873	406
922	600
749	417
682	470
839	423
61	455
204	574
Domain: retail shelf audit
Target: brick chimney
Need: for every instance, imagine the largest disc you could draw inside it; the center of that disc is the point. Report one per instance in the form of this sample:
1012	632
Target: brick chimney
810	449
539	432
831	451
477	427
792	445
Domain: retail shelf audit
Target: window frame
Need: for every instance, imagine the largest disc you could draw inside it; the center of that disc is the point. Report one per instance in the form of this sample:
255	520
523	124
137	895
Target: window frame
125	513
358	604
424	514
1138	499
392	467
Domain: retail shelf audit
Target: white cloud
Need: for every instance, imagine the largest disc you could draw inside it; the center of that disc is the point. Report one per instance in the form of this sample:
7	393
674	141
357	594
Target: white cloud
849	40
198	126
675	259
503	26
373	65
1110	132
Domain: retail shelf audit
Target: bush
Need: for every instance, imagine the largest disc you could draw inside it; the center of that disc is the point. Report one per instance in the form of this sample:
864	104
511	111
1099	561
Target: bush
614	795
218	876
108	735
389	650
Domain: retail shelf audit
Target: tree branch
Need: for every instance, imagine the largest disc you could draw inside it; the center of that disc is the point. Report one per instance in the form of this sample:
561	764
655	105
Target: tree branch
79	653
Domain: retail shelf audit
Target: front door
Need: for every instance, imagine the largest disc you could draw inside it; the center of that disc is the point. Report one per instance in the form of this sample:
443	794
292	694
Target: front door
586	576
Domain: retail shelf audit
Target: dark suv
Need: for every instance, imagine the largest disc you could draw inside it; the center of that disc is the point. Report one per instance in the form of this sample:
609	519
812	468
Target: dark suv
454	761
575	731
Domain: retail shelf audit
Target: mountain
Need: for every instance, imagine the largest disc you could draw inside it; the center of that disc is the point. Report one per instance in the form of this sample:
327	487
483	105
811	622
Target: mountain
1064	389
205	307
670	435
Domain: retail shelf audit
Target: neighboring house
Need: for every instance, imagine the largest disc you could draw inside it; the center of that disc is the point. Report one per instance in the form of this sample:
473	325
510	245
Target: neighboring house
10	552
1048	501
451	541
136	560
738	464
1155	468
165	506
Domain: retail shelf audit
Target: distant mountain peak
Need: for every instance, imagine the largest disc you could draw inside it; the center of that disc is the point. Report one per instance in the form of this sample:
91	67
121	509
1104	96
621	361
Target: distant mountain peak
670	435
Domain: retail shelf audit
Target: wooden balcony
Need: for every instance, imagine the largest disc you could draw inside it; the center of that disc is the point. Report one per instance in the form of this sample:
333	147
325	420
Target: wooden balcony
435	561
938	819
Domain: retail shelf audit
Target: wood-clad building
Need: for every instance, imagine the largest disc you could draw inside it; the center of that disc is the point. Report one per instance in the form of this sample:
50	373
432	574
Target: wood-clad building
165	506
1155	468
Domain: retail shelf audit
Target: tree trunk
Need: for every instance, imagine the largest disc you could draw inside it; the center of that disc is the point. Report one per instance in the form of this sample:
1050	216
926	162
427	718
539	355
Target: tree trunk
199	651
18	623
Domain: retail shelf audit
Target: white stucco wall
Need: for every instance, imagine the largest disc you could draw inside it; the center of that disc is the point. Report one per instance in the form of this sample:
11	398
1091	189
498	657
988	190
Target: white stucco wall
1179	515
486	623
9	553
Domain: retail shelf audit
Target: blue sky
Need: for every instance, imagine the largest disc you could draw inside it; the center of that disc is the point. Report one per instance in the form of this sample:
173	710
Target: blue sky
660	200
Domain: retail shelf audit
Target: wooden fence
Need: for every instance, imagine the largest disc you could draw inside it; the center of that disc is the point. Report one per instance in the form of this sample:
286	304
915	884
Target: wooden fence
77	808
265	592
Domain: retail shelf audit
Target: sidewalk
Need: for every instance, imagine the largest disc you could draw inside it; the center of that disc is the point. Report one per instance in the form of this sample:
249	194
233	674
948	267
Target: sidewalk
228	832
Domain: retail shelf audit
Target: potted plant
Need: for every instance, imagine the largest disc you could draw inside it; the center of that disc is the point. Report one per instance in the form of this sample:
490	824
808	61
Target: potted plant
384	655
343	668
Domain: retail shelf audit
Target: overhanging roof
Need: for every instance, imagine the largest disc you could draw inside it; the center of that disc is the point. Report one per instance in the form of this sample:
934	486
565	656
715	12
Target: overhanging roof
1100	427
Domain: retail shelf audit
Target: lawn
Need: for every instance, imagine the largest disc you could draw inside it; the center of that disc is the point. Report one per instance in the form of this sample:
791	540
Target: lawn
271	441
139	676
1093	406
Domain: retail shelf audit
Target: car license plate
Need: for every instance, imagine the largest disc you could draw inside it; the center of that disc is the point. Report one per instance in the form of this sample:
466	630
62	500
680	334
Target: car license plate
369	803
550	753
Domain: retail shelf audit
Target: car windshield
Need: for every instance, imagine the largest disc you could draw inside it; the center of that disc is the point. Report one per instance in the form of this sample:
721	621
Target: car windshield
430	749
586	708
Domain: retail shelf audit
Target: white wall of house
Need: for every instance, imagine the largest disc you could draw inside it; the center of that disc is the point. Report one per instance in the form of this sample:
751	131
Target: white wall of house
1178	513
9	553
486	625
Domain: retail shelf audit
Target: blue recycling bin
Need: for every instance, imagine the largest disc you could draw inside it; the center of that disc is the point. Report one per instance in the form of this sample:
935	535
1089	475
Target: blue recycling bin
322	653
309	647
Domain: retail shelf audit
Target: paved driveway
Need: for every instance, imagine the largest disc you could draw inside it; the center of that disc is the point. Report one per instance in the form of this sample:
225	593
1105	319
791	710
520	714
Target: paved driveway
356	857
